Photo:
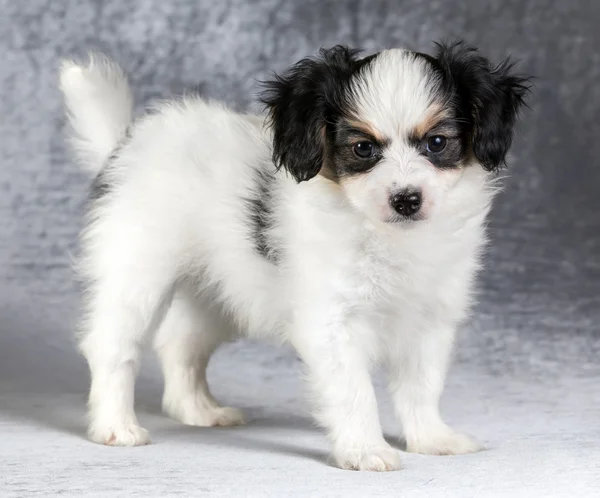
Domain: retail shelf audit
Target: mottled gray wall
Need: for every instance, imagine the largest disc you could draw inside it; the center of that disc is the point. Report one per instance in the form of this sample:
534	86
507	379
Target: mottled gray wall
542	281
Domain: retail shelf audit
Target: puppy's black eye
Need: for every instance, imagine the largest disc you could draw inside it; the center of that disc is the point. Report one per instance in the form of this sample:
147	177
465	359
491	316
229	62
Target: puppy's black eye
436	144
364	149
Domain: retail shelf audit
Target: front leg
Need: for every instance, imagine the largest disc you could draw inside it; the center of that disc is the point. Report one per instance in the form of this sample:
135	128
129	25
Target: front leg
345	405
417	370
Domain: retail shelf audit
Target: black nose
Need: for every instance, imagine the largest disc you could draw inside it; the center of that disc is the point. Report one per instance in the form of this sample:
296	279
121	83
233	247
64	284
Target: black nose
407	203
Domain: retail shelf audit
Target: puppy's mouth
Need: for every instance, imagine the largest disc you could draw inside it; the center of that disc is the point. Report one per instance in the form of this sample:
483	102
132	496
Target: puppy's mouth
396	219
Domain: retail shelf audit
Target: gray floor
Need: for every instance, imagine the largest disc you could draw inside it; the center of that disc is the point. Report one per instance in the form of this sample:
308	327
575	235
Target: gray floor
534	403
527	371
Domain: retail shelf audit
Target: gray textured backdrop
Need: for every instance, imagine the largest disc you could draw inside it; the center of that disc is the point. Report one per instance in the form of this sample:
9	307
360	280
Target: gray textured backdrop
540	293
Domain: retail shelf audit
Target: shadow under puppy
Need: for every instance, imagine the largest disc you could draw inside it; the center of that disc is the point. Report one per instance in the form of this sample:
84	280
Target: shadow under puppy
349	222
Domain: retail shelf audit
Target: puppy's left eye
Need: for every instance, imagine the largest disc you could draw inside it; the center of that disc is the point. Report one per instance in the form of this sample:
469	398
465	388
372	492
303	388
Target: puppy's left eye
364	149
436	144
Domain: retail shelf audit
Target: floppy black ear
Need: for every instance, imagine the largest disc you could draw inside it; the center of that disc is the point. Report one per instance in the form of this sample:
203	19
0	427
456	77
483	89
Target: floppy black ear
489	99
301	102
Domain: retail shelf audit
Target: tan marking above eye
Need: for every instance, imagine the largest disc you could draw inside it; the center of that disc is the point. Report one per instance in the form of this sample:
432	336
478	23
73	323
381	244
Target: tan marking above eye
368	130
434	115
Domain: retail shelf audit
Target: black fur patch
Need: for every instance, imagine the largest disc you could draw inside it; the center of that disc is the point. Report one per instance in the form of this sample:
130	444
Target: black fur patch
101	186
456	147
485	99
304	105
260	209
344	162
307	106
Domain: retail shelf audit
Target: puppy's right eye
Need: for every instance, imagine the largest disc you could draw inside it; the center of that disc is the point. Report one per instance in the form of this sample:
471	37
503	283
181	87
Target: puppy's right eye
364	149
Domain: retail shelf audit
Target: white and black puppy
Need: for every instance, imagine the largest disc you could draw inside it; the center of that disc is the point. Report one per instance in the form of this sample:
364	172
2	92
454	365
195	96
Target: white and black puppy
348	222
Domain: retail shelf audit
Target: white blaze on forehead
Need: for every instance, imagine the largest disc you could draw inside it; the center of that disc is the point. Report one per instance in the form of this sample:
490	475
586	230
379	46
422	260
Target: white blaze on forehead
395	92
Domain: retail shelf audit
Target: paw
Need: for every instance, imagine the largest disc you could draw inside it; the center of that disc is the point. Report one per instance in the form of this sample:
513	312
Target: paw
380	458
224	416
205	416
446	443
120	435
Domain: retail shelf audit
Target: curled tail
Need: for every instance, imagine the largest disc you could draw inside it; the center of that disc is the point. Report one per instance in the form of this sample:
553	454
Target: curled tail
99	108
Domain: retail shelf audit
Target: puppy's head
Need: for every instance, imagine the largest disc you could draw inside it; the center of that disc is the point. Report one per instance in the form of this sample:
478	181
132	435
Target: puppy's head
396	130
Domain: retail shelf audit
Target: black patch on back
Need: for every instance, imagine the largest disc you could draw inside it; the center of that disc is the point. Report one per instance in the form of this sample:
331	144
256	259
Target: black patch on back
260	211
101	185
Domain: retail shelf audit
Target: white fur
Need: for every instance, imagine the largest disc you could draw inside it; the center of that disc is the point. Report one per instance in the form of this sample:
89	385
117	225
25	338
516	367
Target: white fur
99	104
393	97
167	254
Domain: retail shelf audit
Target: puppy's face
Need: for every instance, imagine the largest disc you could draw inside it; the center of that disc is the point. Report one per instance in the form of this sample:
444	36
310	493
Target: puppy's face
395	130
398	146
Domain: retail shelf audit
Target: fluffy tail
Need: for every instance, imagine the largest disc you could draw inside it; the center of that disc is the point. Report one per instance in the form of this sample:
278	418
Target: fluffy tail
99	108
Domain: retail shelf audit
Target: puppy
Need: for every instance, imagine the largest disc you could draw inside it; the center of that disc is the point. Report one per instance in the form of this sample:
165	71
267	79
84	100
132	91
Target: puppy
348	222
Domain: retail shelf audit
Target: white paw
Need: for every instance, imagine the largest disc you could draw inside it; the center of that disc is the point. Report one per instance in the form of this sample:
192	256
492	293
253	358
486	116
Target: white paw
119	435
205	416
445	443
381	458
220	416
226	416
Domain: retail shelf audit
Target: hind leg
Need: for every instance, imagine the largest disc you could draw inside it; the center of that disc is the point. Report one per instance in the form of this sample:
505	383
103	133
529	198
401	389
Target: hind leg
121	312
129	277
184	343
